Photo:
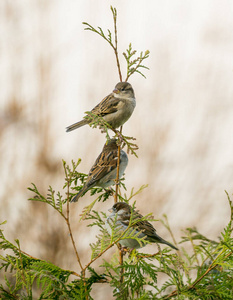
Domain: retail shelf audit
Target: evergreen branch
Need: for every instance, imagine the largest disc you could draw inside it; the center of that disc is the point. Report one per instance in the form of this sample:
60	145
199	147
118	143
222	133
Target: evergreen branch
131	147
166	224
50	199
213	279
133	194
22	255
114	12
96	219
7	294
108	38
100	32
73	243
124	140
213	265
121	256
100	254
67	218
133	65
72	174
87	209
21	269
231	207
69	175
121	262
123	235
97	121
118	170
139	255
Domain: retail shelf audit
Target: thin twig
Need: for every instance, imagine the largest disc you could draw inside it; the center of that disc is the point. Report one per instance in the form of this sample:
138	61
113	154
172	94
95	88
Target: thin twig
147	255
118	170
129	74
121	261
74	273
121	256
110	246
114	12
100	254
117	177
73	243
67	219
25	253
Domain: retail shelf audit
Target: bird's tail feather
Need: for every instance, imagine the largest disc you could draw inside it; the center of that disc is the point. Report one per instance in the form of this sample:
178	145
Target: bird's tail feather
167	243
76	125
80	193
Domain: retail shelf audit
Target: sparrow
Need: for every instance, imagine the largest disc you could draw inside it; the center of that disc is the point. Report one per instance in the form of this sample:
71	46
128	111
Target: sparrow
104	171
121	215
115	109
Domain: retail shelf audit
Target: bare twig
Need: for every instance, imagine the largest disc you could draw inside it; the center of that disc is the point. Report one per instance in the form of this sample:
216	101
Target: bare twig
117	177
67	218
121	261
148	255
118	170
114	12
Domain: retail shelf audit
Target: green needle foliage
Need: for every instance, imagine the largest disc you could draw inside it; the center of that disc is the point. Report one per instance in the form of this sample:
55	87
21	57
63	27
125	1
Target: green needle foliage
97	121
133	64
201	270
205	271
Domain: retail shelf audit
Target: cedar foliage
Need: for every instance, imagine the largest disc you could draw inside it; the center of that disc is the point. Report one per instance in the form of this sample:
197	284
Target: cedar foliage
204	272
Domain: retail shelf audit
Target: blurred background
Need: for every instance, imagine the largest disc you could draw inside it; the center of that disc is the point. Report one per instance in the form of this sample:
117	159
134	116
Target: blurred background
52	71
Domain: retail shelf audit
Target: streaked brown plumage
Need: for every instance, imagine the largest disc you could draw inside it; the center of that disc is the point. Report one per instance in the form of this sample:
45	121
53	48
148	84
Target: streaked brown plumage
103	172
121	213
115	109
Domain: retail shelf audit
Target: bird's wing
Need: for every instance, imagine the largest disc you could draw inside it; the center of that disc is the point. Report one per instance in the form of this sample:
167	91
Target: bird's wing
108	105
140	225
104	164
146	228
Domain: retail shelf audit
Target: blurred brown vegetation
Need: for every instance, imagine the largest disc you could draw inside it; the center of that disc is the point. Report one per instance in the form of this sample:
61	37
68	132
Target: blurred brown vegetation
50	74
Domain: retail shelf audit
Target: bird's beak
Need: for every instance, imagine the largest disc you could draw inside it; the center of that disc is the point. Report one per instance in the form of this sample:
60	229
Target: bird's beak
110	210
116	91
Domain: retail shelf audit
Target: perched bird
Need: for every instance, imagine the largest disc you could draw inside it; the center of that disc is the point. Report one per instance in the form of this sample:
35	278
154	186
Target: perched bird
121	214
104	171
115	109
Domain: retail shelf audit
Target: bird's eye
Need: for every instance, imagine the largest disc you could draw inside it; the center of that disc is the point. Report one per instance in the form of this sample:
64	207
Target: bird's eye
122	89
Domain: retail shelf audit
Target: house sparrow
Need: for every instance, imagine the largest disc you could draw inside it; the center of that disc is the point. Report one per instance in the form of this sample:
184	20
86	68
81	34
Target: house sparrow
104	171
115	109
120	216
